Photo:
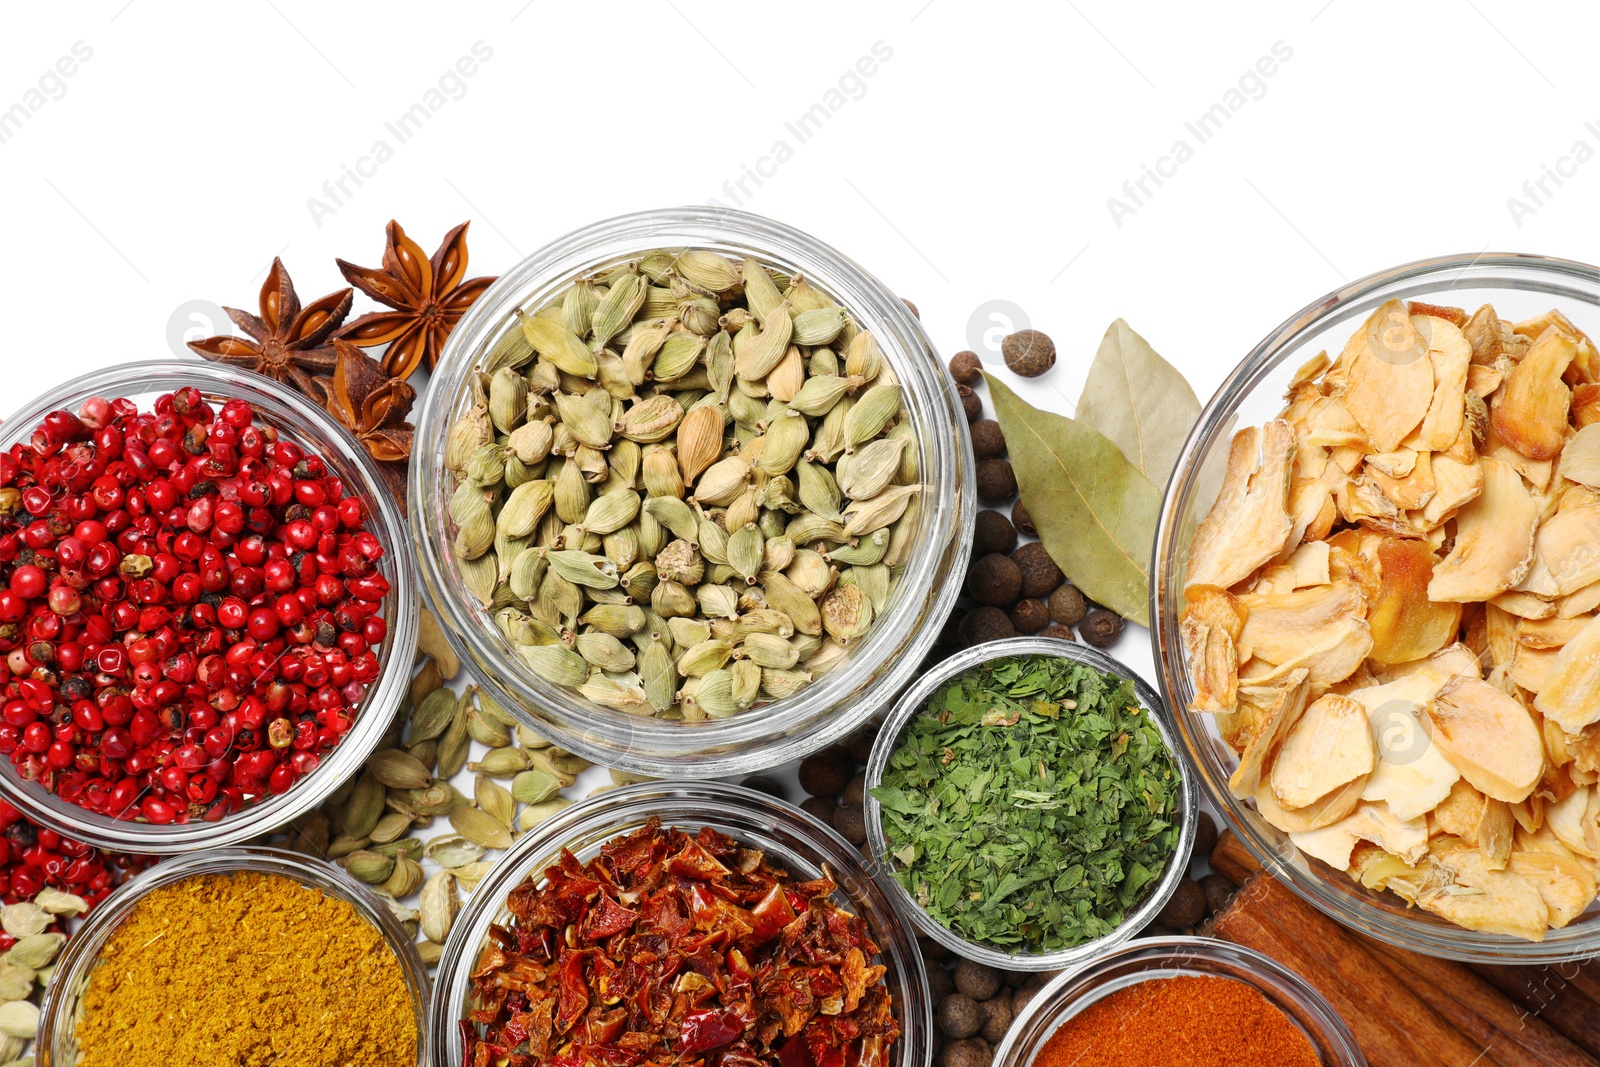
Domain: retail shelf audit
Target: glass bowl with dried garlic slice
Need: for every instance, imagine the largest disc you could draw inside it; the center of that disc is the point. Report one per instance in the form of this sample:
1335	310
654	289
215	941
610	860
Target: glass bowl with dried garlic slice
1377	605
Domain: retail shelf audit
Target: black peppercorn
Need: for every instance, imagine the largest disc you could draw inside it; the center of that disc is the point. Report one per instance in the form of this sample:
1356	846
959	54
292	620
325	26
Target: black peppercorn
997	482
971	403
1101	628
987	440
995	580
1028	352
1067	606
1029	616
965	367
986	624
1040	575
993	532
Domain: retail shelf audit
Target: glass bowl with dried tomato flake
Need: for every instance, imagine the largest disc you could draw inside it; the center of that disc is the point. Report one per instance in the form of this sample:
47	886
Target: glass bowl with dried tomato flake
679	924
203	584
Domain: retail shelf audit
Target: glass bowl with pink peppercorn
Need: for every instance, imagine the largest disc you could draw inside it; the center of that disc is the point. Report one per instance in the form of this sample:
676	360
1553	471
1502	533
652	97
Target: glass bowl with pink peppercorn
207	617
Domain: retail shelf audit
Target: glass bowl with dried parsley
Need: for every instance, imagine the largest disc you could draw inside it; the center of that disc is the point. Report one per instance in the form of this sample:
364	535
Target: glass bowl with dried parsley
722	917
238	955
1026	804
219	672
685	561
1157	1002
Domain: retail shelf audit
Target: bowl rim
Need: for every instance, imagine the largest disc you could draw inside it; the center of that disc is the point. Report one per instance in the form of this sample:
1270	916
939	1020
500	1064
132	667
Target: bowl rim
605	816
1177	949
76	962
910	704
755	739
1349	905
383	696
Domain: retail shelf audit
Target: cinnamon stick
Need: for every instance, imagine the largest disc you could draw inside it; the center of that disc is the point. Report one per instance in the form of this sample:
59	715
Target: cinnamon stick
1551	994
1382	1043
1232	860
1502	1047
1491	1005
1370	981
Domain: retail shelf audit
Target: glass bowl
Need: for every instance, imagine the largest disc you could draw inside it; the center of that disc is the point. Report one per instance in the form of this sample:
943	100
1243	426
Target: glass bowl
792	838
910	705
833	705
309	425
1168	957
58	1014
1518	286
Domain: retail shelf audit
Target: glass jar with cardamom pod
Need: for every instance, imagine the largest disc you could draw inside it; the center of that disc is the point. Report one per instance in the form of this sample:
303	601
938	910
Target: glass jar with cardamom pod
691	492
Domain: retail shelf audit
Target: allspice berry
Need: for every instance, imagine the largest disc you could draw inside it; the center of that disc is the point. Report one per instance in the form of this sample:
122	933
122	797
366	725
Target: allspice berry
995	581
859	745
993	532
1040	575
997	1016
987	440
1029	616
826	773
986	624
1101	628
819	808
939	983
855	790
1218	892
911	308
762	784
959	1016
1022	520
968	1052
1205	834
1029	352
1186	908
976	980
997	482
1067	606
971	403
851	822
1059	632
966	368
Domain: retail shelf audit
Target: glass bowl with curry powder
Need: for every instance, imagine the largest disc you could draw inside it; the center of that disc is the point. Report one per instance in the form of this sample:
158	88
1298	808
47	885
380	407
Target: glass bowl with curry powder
1281	1018
243	981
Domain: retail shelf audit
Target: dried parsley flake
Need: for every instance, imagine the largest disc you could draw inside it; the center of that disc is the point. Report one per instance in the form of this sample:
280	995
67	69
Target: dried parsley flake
1031	804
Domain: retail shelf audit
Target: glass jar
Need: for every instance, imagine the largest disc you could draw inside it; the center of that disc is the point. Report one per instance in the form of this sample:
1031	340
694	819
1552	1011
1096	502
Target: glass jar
304	422
910	705
1518	286
789	836
59	1014
833	705
1169	957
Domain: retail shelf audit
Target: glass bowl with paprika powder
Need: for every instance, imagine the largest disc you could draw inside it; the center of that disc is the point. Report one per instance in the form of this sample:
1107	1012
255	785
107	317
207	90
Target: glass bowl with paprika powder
1042	818
730	919
241	908
1178	1002
859	683
269	711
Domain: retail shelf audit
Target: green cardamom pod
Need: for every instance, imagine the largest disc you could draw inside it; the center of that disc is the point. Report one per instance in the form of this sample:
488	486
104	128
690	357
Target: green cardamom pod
475	534
863	358
481	828
817	327
757	350
770	650
658	675
864	550
609	693
760	293
706	270
703	658
846	612
398	770
717	601
502	762
713	541
368	866
783	595
508	399
719	360
780	685
871	414
827	441
746	687
604	651
678	355
611	512
618	620
487	466
819	394
391	827
714	695
618	307
559	345
535	786
556	664
430	718
486	732
639	580
869	471
806	527
745	550
669	599
785	441
818	491
587	423
581	568
454	744
675	515
867	516
534	814
527	504
722	482
440	901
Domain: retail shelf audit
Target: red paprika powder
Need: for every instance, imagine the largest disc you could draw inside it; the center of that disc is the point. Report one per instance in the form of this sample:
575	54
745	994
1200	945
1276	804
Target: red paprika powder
1188	1021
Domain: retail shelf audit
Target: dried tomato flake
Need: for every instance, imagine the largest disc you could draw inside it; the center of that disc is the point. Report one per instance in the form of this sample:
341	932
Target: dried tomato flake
680	950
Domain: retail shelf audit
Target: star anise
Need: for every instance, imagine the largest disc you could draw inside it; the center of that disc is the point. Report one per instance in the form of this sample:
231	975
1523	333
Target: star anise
286	340
373	407
428	295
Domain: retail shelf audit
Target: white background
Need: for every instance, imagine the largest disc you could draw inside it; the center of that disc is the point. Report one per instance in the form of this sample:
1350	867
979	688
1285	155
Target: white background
974	164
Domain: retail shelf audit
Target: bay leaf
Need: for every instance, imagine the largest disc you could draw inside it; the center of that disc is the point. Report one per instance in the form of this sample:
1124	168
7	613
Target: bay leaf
1095	511
1139	401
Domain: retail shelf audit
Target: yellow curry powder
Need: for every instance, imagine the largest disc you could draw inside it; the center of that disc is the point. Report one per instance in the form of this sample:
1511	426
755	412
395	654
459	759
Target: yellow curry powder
246	970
